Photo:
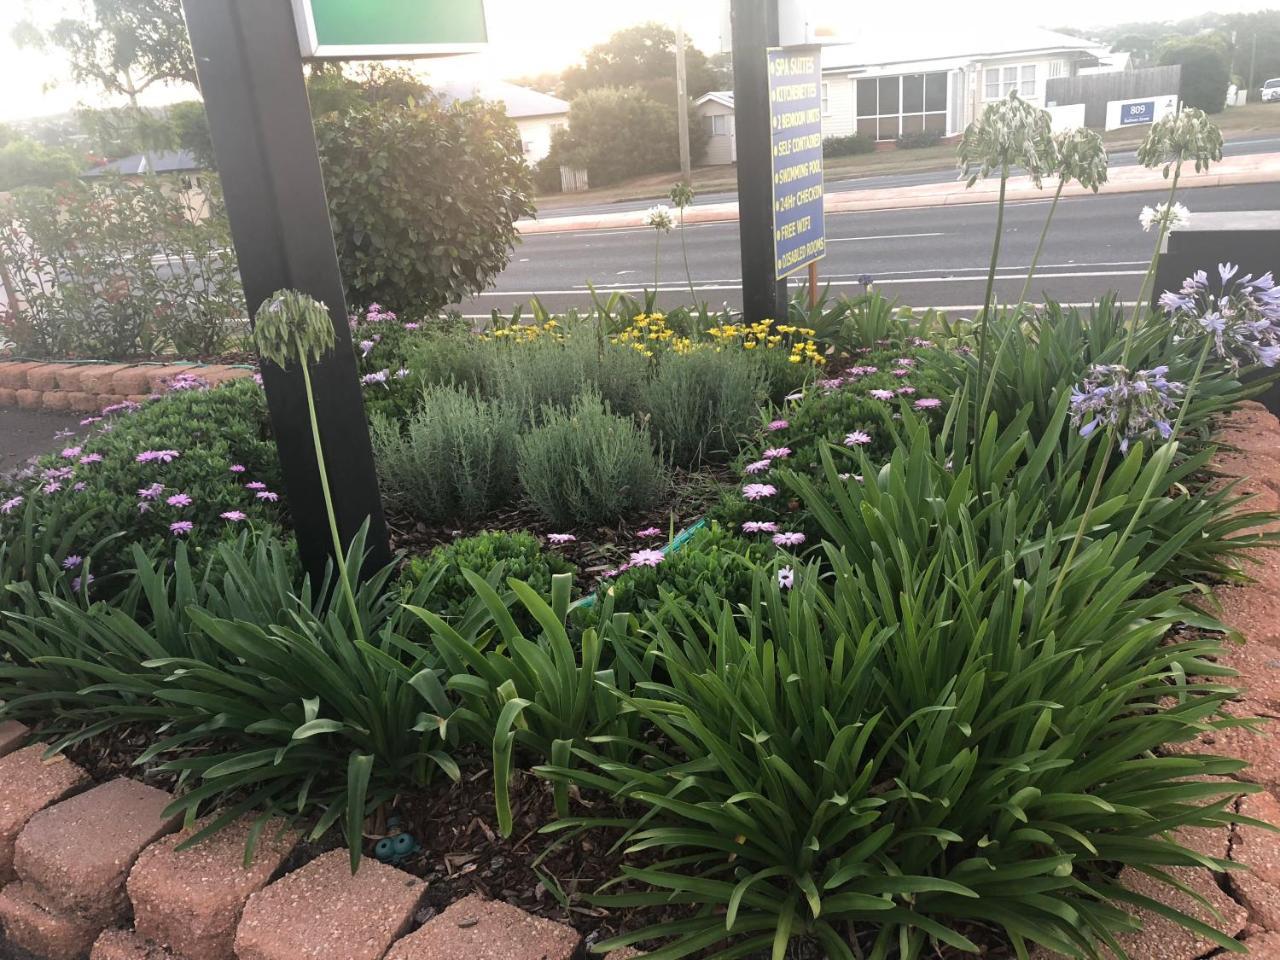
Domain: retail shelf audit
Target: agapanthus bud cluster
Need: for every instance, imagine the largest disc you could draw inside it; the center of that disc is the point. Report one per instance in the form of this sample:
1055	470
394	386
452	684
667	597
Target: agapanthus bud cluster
1009	133
1134	404
1240	313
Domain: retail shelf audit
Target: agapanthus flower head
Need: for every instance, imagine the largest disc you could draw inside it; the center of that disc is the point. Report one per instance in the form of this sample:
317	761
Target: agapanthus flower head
786	578
1173	216
560	538
180	528
1186	135
757	466
71	561
857	438
759	526
290	327
681	194
759	491
789	538
1240	313
659	217
646	558
1009	133
1082	157
1134	404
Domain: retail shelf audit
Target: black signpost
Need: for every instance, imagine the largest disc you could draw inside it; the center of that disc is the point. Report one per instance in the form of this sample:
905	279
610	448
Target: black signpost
755	29
250	69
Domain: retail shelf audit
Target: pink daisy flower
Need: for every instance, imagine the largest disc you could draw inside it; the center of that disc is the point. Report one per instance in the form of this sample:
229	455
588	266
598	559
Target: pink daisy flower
881	394
776	425
901	372
255	485
53	486
858	438
267	495
649	532
759	491
151	492
927	403
157	456
70	453
181	528
777	453
236	468
235	516
179	500
786	578
906	391
560	538
90	458
757	466
759	526
788	539
11	505
646	558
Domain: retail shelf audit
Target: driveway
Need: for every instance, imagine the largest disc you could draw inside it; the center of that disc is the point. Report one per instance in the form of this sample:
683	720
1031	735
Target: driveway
26	433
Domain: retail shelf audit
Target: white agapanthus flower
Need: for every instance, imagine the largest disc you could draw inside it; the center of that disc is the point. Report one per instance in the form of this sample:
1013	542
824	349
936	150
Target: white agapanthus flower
1175	216
659	217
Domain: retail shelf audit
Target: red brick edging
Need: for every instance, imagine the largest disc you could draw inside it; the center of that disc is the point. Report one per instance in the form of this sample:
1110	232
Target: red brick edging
88	387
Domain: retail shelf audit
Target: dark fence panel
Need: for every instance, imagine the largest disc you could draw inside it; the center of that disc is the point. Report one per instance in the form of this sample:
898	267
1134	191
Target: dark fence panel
1095	90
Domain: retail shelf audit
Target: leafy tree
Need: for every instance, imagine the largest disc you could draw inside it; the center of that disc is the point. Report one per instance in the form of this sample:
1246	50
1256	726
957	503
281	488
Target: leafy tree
191	131
642	56
123	131
7	135
26	163
122	46
333	89
423	198
617	133
1205	70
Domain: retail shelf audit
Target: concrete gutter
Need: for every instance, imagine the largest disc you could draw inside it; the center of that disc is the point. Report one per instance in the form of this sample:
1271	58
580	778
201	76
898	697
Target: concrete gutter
1254	168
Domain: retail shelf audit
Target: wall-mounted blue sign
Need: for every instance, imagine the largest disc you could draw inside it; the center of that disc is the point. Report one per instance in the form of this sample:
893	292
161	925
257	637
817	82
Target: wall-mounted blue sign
1141	111
795	120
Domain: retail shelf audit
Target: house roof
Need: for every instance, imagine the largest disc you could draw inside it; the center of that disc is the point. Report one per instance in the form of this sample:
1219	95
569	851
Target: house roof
722	97
157	161
519	101
966	41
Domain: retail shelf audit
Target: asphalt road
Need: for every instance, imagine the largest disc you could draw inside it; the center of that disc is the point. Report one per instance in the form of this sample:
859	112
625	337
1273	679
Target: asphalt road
1121	158
934	257
26	433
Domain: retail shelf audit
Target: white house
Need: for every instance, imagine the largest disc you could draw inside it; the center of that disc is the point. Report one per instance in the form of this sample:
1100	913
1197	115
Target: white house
885	85
715	111
939	80
537	115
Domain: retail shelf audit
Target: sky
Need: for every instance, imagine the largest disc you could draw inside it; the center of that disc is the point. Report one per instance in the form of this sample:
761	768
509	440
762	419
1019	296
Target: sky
529	37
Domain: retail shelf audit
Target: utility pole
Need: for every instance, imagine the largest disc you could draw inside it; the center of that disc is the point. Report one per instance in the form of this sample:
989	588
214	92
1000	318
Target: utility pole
1253	59
755	29
682	105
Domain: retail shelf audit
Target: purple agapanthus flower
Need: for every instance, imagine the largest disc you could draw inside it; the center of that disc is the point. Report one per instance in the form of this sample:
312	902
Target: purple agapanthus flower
181	528
71	561
1241	314
789	538
1134	404
759	526
646	558
759	491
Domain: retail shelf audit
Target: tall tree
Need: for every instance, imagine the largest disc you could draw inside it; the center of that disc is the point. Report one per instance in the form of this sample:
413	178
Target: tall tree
121	46
642	56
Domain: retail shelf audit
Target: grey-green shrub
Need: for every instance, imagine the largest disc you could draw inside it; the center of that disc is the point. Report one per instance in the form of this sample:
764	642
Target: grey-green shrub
585	465
455	456
548	371
700	403
456	357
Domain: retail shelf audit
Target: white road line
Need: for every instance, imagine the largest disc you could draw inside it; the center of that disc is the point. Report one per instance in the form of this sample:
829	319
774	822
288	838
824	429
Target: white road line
884	236
735	284
945	307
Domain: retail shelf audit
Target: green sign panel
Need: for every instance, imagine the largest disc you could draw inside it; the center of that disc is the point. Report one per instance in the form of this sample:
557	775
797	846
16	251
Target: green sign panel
372	29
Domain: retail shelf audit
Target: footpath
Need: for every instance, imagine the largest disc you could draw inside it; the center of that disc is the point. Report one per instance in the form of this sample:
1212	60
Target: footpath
1254	168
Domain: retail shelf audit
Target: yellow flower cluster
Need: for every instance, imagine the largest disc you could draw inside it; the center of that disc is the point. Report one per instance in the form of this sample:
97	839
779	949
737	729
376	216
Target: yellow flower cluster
770	336
649	334
526	332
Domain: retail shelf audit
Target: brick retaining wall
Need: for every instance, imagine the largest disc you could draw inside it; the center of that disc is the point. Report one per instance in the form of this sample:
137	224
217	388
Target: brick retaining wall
88	387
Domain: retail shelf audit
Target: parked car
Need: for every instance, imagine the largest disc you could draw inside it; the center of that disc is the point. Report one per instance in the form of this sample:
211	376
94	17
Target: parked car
1271	91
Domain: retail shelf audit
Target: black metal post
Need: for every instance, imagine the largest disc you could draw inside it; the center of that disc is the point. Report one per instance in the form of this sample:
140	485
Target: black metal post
250	70
755	29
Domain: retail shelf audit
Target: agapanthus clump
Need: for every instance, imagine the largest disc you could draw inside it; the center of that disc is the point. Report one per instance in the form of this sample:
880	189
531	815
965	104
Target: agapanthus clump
1134	405
1241	316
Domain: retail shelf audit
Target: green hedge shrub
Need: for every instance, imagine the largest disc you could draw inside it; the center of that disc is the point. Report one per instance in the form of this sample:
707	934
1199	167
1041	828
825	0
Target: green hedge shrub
585	465
848	146
455	456
918	140
700	404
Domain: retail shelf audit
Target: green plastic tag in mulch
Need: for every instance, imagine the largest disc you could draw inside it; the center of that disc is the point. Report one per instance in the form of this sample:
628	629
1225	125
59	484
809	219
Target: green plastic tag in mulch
678	541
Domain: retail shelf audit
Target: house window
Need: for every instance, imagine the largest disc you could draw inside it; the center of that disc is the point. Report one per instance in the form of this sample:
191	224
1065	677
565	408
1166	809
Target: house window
718	125
826	99
999	82
890	107
1055	68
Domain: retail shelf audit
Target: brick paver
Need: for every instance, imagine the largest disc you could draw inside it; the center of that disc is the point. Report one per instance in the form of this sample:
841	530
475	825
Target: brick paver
479	929
127	945
191	900
77	853
322	912
50	934
30	784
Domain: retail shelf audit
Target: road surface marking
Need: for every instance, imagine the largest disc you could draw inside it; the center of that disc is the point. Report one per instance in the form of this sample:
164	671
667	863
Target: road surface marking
884	236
